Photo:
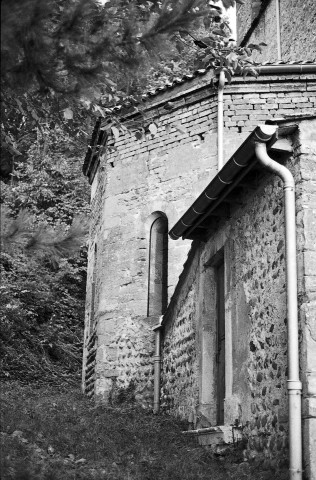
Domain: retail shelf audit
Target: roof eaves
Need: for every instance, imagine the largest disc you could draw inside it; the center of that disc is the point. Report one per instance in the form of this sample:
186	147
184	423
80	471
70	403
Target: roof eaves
266	68
155	98
224	182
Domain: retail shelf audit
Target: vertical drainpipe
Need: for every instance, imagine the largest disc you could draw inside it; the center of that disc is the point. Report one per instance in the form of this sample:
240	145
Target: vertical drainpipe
220	162
157	364
278	28
220	121
294	385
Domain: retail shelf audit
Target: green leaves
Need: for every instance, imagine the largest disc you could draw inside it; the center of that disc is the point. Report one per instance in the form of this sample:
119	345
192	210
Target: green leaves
43	273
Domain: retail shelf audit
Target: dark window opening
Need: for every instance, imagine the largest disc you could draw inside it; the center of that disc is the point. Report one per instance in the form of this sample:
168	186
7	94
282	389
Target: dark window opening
158	267
220	343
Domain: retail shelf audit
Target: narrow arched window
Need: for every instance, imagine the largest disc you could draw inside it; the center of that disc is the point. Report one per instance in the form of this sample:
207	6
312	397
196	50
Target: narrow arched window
158	267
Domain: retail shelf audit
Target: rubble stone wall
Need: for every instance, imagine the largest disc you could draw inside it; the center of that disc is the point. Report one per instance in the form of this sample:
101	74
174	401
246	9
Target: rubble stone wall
128	354
179	347
255	298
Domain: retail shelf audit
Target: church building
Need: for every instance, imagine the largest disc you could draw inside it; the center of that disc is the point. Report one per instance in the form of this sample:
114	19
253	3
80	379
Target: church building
201	291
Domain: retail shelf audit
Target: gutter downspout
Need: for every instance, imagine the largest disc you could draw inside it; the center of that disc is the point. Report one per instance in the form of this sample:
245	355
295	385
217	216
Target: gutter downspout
220	120
157	365
294	385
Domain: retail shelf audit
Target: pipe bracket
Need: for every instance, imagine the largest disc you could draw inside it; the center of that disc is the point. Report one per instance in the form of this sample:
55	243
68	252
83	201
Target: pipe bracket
210	198
238	164
223	181
198	213
294	385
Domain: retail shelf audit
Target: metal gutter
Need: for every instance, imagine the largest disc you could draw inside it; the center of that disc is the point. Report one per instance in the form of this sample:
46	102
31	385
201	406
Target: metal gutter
286	68
224	182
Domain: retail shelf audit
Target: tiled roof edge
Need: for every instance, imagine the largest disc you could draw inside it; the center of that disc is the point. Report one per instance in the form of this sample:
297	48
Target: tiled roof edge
263	69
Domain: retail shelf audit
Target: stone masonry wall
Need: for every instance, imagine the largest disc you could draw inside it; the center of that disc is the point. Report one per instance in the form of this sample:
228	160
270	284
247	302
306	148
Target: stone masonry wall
128	354
297	26
245	16
259	321
165	173
255	297
180	359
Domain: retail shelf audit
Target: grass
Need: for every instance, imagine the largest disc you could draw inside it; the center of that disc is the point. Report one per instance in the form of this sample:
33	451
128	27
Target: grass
61	435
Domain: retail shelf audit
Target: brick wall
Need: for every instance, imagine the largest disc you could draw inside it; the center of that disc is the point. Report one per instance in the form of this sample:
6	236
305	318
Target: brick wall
246	105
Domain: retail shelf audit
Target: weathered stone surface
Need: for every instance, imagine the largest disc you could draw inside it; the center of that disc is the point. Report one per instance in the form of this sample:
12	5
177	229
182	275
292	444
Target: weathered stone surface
165	173
296	42
256	308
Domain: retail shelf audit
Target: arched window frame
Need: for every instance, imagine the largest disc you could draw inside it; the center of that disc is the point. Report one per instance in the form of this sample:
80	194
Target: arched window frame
157	298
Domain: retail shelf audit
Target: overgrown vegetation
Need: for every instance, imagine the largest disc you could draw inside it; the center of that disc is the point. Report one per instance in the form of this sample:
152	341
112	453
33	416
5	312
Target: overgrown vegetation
50	435
43	263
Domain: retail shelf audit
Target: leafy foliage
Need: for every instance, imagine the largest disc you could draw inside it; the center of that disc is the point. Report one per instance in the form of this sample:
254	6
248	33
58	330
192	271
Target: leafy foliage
41	319
67	62
42	294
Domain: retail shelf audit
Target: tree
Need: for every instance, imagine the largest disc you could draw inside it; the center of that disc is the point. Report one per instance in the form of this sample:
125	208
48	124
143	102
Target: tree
70	61
42	294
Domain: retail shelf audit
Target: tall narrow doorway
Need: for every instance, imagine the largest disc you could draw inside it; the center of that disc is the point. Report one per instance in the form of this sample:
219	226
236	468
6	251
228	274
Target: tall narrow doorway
220	344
